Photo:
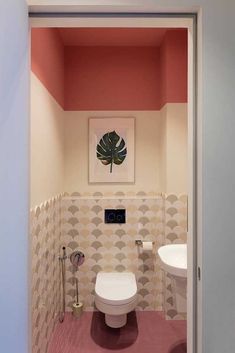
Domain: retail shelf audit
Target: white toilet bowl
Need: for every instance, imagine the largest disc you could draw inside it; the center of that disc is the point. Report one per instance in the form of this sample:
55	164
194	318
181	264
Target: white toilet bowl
115	296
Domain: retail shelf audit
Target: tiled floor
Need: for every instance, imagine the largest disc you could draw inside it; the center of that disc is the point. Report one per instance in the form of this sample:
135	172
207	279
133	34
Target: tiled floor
145	332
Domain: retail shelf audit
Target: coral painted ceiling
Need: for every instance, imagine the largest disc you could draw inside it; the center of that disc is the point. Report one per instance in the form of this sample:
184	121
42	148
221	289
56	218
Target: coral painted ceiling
111	68
135	37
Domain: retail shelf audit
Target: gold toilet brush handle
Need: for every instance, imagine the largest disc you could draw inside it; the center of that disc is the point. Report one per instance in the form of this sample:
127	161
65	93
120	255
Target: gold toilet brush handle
77	307
76	283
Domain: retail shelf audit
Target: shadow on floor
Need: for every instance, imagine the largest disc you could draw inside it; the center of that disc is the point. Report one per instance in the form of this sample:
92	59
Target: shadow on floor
179	347
114	338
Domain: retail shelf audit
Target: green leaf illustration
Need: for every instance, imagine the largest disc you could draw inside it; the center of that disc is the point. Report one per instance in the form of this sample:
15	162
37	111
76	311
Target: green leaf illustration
111	149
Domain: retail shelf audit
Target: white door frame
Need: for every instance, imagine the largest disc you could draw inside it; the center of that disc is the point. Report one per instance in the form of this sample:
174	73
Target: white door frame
169	20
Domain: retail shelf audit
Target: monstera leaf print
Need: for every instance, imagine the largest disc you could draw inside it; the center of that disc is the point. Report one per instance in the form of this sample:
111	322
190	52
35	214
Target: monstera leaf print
111	149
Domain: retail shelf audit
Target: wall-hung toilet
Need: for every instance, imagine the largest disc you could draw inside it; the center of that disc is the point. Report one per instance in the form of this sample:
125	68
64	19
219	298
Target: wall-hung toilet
115	296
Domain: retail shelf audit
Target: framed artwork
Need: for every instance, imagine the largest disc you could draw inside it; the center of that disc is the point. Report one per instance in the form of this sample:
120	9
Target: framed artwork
112	150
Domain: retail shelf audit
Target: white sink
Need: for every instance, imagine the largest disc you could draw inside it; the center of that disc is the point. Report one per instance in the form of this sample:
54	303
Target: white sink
174	259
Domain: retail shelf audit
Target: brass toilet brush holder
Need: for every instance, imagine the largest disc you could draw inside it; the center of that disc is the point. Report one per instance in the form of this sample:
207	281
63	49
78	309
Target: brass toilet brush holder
77	307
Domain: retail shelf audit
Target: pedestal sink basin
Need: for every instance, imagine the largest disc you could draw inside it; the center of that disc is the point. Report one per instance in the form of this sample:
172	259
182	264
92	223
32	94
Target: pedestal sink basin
174	259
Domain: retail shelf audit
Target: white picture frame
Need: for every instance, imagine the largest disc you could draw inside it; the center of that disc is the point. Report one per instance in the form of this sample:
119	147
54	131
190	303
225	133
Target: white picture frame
102	167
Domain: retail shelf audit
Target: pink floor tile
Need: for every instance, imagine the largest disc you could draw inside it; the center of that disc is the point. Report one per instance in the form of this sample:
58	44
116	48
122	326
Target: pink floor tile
145	332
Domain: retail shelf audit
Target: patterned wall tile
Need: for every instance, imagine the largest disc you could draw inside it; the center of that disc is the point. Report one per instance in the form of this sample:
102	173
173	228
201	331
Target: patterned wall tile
175	232
111	247
77	221
45	277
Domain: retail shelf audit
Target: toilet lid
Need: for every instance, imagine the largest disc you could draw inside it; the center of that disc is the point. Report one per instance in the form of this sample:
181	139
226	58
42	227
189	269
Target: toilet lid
116	287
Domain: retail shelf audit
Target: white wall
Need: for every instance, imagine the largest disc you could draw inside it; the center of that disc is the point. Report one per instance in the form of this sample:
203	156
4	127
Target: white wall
218	178
147	161
47	144
14	180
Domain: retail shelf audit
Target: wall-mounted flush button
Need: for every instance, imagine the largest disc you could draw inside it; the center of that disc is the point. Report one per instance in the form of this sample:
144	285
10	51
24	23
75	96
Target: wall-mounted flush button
121	216
115	216
109	216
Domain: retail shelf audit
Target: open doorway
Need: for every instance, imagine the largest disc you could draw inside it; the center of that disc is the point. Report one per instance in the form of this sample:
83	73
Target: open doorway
76	206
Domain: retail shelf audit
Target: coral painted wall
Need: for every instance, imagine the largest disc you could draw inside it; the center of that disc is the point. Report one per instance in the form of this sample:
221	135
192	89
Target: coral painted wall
47	60
174	67
110	77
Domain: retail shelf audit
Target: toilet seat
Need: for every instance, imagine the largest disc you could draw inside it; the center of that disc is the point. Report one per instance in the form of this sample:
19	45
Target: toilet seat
115	296
116	288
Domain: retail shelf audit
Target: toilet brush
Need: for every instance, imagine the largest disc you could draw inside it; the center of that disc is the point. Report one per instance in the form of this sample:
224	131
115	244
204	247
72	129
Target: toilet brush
77	307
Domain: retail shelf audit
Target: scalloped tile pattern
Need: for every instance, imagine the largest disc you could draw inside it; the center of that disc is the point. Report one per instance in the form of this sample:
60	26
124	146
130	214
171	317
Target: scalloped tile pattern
78	223
45	277
175	233
111	247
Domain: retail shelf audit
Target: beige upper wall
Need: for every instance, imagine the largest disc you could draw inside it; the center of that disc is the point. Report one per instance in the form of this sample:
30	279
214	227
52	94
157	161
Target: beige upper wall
147	154
162	148
59	148
47	144
174	147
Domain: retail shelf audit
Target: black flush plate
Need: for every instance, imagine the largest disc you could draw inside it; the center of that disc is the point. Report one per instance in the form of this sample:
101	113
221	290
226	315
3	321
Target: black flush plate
115	216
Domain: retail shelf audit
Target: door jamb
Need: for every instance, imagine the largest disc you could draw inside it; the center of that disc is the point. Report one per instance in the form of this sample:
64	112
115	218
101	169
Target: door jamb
191	20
